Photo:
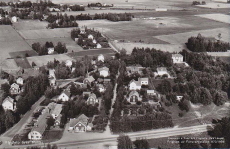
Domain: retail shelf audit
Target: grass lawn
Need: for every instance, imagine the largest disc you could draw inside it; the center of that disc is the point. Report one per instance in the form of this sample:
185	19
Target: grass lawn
52	135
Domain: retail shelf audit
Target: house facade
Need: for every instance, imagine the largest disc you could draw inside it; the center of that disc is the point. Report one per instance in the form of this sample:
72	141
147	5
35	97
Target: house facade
134	97
161	71
80	124
65	96
177	58
9	104
136	85
92	99
14	89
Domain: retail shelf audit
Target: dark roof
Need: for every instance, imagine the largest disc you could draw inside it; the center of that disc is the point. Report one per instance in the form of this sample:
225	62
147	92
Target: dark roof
82	118
66	92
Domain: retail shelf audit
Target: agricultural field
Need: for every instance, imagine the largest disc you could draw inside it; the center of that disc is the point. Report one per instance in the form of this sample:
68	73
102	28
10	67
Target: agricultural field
43	60
30	25
181	38
9	65
217	17
22	62
215	5
10	41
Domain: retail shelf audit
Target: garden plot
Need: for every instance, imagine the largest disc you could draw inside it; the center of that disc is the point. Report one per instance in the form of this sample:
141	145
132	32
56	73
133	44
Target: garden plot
181	38
217	17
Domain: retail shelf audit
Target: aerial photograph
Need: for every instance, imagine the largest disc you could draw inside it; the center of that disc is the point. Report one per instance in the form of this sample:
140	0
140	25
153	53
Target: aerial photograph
114	74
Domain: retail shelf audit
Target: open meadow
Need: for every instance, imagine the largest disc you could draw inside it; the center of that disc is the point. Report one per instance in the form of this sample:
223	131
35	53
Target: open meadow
181	38
217	17
30	25
214	5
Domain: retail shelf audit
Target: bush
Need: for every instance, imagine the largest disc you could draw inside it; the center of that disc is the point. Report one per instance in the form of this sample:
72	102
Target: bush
180	114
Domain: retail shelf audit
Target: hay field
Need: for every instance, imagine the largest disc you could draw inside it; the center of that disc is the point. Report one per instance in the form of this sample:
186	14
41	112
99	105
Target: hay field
43	60
217	17
70	44
11	41
30	25
45	33
215	5
163	47
181	38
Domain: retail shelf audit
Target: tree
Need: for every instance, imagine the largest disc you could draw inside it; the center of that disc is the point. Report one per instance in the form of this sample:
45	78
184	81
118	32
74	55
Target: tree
124	142
9	119
50	121
141	144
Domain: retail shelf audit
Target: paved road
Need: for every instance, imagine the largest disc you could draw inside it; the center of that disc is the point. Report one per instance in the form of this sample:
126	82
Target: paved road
150	134
21	124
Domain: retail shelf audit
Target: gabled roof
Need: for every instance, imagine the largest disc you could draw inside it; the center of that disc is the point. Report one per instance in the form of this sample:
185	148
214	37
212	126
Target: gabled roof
82	118
150	91
9	99
57	110
90	79
143	79
138	83
134	93
177	55
66	92
41	122
134	68
103	69
14	85
86	93
107	80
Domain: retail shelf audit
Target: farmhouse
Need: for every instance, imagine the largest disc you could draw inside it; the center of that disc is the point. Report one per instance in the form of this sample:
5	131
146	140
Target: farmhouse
14	89
9	104
57	111
19	81
177	58
101	58
80	124
134	97
104	71
65	96
136	85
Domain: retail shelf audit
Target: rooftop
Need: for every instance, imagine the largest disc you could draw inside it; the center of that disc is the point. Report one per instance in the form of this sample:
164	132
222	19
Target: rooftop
57	110
82	118
177	55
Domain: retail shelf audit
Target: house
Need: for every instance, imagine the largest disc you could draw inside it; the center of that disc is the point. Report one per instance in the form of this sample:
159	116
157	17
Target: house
104	71
80	124
90	36
58	120
94	41
134	97
51	50
134	69
65	96
14	89
92	99
89	80
136	85
68	63
19	81
106	81
101	88
101	58
9	104
161	71
52	73
177	58
57	111
178	98
14	19
99	46
39	128
151	92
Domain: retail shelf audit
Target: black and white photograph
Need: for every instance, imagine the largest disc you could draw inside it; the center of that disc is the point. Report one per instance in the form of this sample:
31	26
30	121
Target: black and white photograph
114	74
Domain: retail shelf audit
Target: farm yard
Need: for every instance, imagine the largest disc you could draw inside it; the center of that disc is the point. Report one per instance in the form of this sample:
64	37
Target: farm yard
217	17
181	38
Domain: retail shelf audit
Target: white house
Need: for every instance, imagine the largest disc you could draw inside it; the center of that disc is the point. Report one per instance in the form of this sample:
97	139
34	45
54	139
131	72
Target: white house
65	96
94	41
52	73
161	71
177	58
68	63
90	36
9	104
50	50
151	92
80	124
57	111
104	71
178	98
14	19
101	88
136	85
19	80
14	89
99	46
101	58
